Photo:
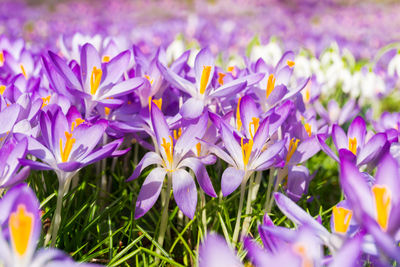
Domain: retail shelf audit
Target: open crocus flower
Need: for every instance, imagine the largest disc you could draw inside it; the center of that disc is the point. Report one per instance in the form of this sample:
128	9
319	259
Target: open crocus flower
244	156
274	86
376	206
172	157
21	225
97	82
364	151
201	92
67	143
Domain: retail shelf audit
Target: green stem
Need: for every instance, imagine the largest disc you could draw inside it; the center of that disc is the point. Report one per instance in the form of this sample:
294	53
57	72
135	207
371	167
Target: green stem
164	214
247	219
203	211
281	175
239	213
270	182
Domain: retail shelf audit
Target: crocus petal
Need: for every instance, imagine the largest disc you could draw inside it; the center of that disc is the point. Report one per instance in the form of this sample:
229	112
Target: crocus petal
388	174
116	67
63	69
372	149
36	165
203	58
201	174
17	177
177	81
148	159
160	125
268	155
124	88
149	192
69	166
298	215
231	179
229	88
185	192
339	137
188	139
321	139
248	111
306	149
279	115
215	252
231	144
218	152
358	130
89	59
192	108
349	253
356	189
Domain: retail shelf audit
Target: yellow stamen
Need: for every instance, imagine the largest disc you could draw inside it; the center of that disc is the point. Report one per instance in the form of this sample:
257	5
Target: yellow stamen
158	102
292	148
341	219
353	145
23	71
2	89
382	196
177	134
270	84
301	250
1	58
205	75
231	69
308	129
238	120
198	149
95	80
169	149
21	226
246	150
221	78
68	146
46	101
106	59
255	122
107	111
149	79
290	63
76	123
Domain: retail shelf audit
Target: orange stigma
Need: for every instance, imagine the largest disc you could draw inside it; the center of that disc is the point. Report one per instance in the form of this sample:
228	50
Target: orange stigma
292	148
205	75
221	78
95	80
353	145
270	84
290	63
106	59
68	146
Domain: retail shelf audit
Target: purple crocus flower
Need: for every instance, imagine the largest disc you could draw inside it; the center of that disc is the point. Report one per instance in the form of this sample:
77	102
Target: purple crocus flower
375	206
364	151
201	92
68	143
172	157
21	226
335	114
97	82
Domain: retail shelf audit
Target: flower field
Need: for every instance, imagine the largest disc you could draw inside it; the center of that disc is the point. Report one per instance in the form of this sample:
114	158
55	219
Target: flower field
199	133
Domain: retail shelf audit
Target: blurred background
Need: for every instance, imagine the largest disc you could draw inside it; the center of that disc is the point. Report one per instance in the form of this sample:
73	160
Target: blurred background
230	25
